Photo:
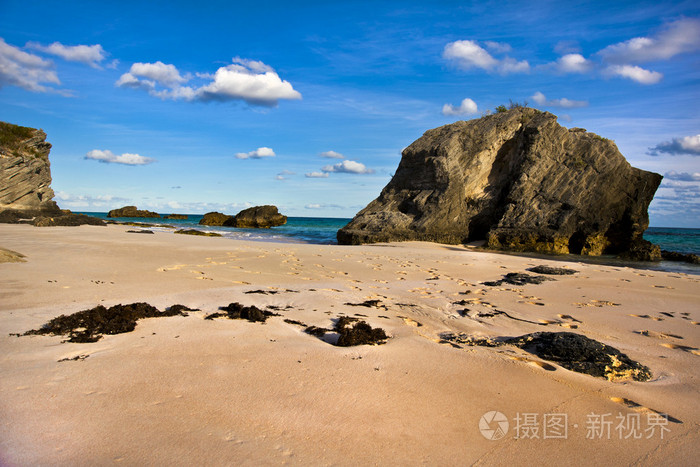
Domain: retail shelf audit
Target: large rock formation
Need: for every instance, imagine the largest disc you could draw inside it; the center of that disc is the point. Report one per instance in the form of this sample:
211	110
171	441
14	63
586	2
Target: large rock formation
25	174
132	211
25	181
518	180
258	217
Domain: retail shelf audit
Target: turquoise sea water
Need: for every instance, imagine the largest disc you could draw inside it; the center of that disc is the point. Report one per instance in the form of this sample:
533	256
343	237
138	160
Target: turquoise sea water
322	231
317	230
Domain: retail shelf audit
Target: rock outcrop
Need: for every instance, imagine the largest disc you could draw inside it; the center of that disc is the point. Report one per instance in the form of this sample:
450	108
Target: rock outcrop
25	173
25	181
181	217
214	218
132	211
258	217
518	180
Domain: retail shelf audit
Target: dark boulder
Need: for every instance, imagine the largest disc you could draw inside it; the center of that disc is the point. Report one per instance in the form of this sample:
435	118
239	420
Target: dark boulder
516	179
214	218
66	220
181	217
259	217
132	211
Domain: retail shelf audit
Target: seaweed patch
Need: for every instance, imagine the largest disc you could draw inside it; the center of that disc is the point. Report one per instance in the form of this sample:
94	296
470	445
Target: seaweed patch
238	311
90	325
572	351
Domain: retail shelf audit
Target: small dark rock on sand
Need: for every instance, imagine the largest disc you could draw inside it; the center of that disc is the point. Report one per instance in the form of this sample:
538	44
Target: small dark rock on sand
140	231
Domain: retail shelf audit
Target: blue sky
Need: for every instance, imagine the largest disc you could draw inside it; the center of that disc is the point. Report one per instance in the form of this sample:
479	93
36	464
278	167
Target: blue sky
198	106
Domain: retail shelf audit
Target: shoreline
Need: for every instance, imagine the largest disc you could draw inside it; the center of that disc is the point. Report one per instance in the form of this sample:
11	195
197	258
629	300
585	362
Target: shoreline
181	388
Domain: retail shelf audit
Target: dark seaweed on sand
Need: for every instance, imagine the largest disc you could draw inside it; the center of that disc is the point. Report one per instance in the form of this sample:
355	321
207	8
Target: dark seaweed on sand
90	325
238	311
351	332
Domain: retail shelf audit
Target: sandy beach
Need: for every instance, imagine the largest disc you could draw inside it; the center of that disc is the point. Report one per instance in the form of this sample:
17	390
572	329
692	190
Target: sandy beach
186	390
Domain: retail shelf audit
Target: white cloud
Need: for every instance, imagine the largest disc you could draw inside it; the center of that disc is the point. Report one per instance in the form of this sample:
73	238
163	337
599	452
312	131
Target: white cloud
687	145
316	175
165	74
73	200
541	99
332	155
466	107
88	54
249	80
313	206
676	38
323	206
573	63
348	166
108	157
682	176
635	73
468	54
25	70
257	154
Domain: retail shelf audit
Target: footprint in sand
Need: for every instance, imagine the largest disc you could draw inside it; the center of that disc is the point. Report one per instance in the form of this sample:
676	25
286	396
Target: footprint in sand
640	408
646	317
535	363
658	335
410	322
684	348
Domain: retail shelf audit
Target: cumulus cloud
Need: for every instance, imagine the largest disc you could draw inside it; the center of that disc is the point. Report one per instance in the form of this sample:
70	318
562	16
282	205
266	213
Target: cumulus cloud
469	54
25	70
316	175
257	154
466	107
635	73
573	63
159	72
90	55
332	155
687	145
108	157
541	99
348	166
676	38
248	80
682	176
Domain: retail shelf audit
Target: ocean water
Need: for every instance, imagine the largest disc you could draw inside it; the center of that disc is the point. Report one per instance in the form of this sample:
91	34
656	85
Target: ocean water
675	239
322	231
316	230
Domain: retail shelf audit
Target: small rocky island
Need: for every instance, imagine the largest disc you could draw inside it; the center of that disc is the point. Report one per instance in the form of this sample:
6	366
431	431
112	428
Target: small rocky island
518	180
257	217
132	211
